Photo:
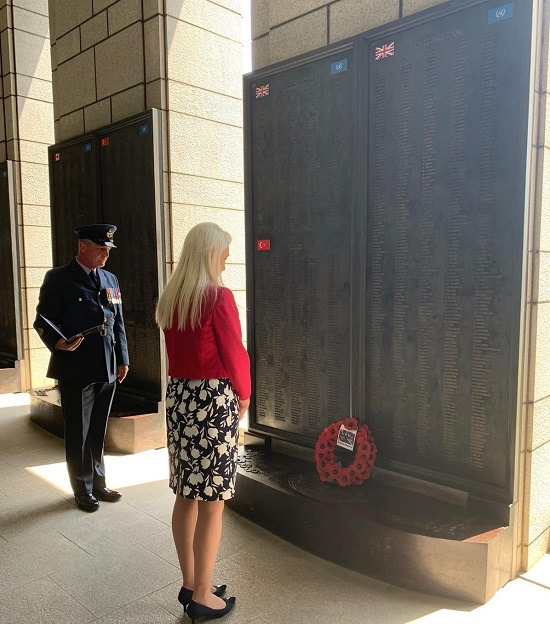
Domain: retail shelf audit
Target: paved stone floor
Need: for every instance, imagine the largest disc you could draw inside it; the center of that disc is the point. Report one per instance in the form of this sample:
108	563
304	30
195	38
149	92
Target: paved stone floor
59	565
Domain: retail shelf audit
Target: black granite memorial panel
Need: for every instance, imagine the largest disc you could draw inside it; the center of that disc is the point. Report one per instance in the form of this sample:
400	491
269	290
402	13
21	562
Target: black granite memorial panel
108	176
128	200
73	193
445	164
8	322
301	169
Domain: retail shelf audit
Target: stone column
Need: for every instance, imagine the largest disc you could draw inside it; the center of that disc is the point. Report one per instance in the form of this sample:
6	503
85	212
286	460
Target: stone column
534	536
204	94
25	133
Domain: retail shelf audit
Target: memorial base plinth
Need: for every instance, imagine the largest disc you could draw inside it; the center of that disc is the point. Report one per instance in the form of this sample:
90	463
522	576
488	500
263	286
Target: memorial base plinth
128	433
10	379
399	536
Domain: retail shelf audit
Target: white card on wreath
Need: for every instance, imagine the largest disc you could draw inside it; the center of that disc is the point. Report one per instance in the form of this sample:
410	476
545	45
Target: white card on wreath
346	438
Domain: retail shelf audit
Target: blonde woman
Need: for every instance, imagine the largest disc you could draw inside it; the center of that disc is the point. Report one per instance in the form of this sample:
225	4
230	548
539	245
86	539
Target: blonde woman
208	393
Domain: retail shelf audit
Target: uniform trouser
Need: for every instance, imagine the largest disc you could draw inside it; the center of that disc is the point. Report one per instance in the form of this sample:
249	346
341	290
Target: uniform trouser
85	413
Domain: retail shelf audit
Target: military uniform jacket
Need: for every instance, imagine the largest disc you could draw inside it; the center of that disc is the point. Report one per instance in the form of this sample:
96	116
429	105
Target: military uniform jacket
71	301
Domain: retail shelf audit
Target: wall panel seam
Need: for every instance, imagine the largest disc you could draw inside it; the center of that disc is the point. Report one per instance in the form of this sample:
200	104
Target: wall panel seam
223	123
293	19
28	97
212	32
224	7
197	205
188	84
29	32
193	175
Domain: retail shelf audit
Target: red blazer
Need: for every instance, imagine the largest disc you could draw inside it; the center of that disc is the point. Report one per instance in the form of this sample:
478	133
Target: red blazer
214	350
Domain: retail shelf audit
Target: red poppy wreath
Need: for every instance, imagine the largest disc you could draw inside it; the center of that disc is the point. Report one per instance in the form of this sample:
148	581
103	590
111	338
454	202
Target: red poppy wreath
363	462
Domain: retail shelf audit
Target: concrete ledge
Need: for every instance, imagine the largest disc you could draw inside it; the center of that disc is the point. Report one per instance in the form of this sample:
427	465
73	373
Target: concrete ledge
133	434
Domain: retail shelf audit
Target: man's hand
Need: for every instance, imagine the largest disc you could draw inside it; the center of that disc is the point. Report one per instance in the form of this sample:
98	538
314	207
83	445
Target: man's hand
121	372
243	406
63	345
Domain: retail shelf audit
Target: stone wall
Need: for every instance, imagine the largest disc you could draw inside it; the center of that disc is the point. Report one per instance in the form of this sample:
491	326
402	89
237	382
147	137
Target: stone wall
107	62
25	132
282	29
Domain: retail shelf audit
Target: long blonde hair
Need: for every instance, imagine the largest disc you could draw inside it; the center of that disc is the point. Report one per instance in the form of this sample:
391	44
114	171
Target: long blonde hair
197	271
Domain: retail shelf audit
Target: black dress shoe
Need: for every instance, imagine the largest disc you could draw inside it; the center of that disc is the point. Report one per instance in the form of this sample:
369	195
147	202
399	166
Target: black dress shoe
86	502
185	596
196	610
105	494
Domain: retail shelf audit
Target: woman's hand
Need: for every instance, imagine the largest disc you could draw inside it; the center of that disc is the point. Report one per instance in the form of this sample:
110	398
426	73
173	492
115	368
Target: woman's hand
63	345
243	406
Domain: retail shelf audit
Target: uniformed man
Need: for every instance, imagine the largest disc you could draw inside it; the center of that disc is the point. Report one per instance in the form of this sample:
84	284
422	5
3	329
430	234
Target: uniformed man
74	298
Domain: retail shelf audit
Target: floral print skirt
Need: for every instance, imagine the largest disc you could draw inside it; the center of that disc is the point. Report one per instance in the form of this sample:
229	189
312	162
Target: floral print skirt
202	422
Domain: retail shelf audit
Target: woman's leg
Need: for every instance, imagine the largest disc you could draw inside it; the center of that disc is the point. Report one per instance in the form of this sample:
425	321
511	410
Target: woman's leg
184	520
205	546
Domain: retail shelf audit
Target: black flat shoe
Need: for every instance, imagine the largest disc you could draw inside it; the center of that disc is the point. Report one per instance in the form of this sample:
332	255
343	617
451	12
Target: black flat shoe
86	502
105	494
196	610
186	595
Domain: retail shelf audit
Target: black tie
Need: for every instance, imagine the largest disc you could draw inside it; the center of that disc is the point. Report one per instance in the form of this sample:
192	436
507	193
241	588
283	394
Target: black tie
95	279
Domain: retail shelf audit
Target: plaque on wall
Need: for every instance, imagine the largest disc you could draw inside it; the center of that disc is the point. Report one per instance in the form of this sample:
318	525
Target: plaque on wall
301	162
446	106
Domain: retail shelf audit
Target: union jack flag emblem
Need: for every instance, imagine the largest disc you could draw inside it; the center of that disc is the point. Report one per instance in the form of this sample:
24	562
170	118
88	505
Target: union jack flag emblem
262	91
385	50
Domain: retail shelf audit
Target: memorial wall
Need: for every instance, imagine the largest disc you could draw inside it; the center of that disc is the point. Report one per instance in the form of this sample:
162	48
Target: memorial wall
130	197
302	160
386	210
113	176
445	167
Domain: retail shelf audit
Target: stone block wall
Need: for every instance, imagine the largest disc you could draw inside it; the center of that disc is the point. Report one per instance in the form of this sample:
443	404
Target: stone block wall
106	60
282	29
25	133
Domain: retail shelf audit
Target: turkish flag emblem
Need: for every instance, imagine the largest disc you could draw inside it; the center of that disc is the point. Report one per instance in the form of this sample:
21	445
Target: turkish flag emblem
263	245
